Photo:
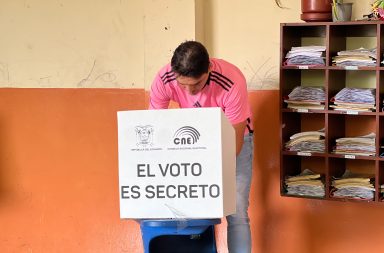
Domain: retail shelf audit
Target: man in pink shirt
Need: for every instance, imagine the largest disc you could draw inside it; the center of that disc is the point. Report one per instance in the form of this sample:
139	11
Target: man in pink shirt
192	79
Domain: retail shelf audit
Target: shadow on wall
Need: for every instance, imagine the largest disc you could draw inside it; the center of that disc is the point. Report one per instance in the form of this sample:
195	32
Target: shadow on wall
266	216
266	164
3	156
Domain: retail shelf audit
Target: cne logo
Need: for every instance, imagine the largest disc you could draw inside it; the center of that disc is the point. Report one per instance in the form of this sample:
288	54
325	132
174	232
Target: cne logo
144	136
186	135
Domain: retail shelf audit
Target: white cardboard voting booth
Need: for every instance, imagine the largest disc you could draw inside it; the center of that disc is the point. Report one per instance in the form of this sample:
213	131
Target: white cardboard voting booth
176	163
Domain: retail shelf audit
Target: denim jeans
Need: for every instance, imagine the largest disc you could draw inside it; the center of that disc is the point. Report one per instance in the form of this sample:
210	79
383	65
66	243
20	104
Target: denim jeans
239	233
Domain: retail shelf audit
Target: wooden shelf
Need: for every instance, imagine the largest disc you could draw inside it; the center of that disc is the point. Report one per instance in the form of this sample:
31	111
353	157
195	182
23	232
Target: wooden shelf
335	36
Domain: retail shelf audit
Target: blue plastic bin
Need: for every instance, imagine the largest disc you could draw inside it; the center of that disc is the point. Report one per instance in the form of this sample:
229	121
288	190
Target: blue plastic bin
179	236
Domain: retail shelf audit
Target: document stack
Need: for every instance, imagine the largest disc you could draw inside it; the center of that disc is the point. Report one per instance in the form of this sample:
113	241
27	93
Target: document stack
382	62
354	99
382	191
306	55
310	141
361	145
353	186
357	57
306	184
306	97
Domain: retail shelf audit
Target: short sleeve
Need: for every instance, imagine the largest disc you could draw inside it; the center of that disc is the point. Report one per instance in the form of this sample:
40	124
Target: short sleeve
236	102
158	98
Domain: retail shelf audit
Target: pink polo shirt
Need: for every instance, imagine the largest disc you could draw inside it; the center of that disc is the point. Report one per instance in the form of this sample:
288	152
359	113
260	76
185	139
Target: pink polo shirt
226	88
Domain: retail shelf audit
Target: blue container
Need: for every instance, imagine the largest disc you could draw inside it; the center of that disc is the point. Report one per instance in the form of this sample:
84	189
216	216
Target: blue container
179	236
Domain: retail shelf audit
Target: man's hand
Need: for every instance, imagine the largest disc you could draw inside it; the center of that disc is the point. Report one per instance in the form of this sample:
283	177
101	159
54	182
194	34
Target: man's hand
239	129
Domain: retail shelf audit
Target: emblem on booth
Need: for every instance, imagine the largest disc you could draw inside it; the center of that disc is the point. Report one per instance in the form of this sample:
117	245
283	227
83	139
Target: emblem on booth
144	136
186	135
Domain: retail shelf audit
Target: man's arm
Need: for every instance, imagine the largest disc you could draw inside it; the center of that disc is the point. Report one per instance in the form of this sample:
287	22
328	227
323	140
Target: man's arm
239	131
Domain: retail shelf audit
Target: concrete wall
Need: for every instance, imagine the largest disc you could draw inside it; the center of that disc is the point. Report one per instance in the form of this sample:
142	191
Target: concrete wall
59	181
89	43
122	43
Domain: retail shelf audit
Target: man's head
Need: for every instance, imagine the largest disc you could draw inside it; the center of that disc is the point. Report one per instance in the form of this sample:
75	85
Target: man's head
190	62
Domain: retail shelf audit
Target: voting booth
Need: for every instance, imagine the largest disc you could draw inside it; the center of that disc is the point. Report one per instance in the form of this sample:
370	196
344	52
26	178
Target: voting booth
176	163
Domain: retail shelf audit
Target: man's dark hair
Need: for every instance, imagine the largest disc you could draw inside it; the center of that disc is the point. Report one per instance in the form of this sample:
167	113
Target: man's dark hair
190	59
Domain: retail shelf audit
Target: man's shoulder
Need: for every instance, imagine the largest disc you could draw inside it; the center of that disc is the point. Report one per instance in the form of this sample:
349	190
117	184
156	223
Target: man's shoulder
226	72
224	67
165	75
165	69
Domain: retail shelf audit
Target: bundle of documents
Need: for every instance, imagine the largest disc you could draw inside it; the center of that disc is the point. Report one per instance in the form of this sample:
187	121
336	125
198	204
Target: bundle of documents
356	57
353	186
306	55
354	99
310	141
306	97
306	184
381	152
361	145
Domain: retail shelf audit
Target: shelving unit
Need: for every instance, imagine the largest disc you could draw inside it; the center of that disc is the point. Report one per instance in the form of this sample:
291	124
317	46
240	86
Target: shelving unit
335	36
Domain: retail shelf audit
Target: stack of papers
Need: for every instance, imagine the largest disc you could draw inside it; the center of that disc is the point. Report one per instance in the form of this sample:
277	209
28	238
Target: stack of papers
353	186
356	57
361	145
354	99
307	55
306	97
306	184
310	141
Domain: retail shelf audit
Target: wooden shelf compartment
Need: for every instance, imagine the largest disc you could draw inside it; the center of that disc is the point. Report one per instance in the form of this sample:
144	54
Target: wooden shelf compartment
294	165
359	168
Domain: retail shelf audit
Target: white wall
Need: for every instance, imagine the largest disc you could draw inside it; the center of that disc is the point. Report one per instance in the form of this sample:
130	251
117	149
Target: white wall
247	32
89	43
122	43
166	25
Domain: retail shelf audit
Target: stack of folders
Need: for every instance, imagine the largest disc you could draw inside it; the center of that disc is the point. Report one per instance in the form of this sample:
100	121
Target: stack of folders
381	152
306	97
310	141
382	191
382	62
353	186
356	57
361	145
354	99
306	55
307	183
